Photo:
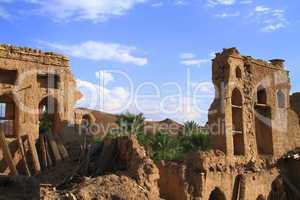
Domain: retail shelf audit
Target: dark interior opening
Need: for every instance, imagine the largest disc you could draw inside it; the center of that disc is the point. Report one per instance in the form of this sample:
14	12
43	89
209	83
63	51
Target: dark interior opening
263	129
237	122
8	76
48	115
261	95
48	80
7	115
217	194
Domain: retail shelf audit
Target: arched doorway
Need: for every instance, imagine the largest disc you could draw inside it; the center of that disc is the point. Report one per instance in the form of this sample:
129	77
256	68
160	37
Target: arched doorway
237	122
8	115
48	115
217	194
51	151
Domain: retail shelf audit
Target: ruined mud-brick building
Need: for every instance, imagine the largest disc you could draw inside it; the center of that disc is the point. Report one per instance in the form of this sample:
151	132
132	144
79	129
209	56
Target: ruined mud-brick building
31	82
253	113
253	122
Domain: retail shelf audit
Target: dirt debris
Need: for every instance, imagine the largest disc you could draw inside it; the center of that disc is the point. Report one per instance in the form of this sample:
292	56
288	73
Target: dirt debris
119	169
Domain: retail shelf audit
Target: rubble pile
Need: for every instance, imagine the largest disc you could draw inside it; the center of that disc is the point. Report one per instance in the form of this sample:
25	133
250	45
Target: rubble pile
119	169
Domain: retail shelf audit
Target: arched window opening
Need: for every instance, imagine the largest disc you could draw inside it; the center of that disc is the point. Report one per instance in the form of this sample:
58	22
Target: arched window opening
7	115
217	194
237	122
238	72
261	95
281	99
263	129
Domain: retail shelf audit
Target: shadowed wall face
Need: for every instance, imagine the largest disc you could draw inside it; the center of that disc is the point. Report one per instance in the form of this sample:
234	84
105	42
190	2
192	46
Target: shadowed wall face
237	122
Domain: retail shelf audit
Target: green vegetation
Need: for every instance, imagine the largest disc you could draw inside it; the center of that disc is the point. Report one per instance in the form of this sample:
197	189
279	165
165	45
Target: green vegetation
45	123
162	145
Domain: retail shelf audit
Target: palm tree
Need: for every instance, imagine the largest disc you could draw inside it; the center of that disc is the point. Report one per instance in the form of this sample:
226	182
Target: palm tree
191	127
195	138
166	148
131	123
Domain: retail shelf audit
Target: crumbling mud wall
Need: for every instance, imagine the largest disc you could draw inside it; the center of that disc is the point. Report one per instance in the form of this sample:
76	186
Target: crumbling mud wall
253	122
172	182
118	169
30	86
289	166
251	114
295	103
124	156
30	81
209	175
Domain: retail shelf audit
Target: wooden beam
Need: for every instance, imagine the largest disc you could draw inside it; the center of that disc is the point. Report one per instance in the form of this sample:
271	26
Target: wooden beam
61	147
23	153
6	154
43	151
49	159
35	157
54	148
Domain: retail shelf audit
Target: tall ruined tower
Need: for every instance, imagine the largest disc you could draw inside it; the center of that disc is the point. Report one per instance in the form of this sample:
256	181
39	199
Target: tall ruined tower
251	112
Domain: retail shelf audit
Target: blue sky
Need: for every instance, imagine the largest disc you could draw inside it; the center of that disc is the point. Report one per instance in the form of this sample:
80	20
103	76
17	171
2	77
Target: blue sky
157	41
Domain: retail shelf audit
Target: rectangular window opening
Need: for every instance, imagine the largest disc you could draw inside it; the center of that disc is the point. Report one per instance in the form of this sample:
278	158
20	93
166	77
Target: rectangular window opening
48	80
8	76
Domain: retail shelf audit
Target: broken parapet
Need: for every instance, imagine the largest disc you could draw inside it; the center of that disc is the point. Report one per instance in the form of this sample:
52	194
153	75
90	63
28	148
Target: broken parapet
33	55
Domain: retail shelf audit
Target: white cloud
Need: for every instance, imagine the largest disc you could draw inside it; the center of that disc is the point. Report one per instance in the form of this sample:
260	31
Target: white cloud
261	9
190	59
3	13
226	15
191	62
100	51
94	10
158	4
273	27
269	19
187	56
220	2
101	97
212	54
117	99
104	77
180	3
